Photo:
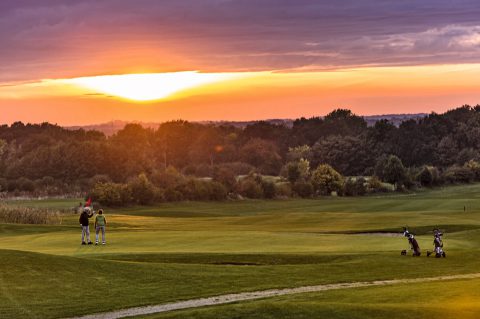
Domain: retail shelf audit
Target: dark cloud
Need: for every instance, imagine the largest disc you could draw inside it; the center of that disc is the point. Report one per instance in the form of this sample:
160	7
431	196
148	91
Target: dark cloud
57	38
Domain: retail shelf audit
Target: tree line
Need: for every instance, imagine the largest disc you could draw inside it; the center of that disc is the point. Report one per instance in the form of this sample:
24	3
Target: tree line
181	160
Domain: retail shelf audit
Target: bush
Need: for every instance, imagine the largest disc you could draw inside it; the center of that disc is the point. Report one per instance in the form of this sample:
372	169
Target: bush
425	177
226	177
142	190
268	189
218	191
355	186
303	188
474	166
172	195
375	185
291	171
391	170
283	189
166	178
3	184
249	187
458	174
159	196
326	180
25	184
194	189
12	185
48	181
111	194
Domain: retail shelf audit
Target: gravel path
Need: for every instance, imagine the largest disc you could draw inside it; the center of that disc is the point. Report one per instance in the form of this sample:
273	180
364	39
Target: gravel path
225	299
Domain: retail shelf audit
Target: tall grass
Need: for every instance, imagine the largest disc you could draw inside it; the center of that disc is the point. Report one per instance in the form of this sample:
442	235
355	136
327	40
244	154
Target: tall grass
28	215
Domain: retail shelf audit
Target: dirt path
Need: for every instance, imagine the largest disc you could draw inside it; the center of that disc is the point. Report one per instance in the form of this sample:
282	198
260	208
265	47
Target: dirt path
225	299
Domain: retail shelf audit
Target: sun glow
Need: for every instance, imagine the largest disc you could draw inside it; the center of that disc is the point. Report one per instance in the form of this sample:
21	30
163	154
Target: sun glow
149	86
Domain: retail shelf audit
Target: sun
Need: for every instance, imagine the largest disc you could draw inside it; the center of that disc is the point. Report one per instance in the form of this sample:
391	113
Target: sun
149	86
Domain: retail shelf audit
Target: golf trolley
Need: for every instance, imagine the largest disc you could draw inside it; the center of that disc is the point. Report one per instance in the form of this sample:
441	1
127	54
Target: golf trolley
438	244
412	242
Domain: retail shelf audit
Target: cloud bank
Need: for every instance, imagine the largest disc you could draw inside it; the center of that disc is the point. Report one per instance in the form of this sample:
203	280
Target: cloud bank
58	39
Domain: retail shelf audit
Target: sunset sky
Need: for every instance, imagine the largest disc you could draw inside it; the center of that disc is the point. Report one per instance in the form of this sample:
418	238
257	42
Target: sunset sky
92	61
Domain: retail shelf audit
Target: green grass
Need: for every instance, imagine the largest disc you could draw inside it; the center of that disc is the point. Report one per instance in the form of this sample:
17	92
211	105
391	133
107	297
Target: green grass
187	250
446	300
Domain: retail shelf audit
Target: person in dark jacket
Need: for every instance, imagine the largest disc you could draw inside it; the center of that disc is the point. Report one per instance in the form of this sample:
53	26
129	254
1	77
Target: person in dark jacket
84	217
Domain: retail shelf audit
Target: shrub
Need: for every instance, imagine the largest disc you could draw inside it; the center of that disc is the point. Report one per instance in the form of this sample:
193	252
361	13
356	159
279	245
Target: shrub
172	195
474	166
374	185
218	191
111	194
294	171
268	189
283	189
326	180
425	177
194	189
166	178
303	188
25	184
250	188
458	174
291	171
12	185
142	190
226	177
391	170
355	186
48	181
159	195
3	184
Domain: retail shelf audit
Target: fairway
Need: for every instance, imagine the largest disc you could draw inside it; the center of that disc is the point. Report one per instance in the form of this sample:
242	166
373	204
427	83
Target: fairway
181	251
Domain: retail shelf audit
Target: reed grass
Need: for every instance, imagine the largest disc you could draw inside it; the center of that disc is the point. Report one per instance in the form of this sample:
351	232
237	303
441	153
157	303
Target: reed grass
28	215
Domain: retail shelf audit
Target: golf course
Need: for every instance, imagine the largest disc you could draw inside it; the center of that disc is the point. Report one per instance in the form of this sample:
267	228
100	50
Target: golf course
182	251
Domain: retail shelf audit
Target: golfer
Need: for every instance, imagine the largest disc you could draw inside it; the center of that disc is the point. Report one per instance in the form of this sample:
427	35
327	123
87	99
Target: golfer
100	224
84	217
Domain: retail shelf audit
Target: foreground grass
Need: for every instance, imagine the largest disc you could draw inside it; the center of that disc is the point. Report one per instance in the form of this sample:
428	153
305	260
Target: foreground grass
188	250
448	300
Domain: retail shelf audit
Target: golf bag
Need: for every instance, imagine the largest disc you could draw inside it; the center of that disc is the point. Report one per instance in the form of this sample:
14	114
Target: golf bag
438	244
412	242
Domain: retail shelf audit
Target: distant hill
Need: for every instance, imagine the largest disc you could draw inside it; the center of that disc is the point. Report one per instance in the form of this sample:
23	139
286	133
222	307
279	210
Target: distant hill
112	127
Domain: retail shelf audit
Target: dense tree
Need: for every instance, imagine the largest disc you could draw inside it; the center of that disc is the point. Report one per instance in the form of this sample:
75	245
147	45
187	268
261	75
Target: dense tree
262	154
48	158
347	154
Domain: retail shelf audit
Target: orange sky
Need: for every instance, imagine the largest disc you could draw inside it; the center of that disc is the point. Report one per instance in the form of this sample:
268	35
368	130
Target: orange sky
82	62
253	95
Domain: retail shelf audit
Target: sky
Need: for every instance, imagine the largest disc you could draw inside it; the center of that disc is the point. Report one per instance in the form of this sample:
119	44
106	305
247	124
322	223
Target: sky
80	62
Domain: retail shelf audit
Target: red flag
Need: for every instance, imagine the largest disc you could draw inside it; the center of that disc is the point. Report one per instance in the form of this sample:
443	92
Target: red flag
88	202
